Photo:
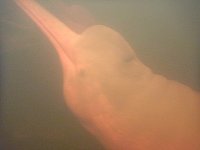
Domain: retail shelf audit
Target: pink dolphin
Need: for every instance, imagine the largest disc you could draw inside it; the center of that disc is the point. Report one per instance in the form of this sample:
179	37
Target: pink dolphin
116	97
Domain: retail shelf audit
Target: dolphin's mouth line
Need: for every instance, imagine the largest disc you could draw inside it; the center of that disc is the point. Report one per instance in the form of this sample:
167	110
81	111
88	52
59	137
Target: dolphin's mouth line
65	54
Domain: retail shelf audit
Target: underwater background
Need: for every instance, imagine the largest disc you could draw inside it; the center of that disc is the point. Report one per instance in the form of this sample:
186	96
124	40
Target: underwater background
165	35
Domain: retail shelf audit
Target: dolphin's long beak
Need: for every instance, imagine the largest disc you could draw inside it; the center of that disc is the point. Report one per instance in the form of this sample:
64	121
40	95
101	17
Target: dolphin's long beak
58	33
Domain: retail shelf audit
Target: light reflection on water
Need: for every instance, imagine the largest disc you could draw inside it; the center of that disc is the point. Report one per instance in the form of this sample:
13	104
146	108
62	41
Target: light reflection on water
164	34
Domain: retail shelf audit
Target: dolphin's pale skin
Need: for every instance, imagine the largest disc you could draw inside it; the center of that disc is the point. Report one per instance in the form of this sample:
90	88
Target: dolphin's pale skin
115	96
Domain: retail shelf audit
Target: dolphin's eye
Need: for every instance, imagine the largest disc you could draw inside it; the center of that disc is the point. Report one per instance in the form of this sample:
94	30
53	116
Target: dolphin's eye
82	73
128	58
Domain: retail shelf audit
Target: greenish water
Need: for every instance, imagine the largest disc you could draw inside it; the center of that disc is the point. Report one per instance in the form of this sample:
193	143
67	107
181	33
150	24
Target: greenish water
165	35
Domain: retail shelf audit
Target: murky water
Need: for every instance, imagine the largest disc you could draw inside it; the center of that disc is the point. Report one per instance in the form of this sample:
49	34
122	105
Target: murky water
164	34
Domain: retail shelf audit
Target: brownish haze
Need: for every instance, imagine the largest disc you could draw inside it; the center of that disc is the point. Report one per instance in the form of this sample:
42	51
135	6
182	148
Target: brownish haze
116	97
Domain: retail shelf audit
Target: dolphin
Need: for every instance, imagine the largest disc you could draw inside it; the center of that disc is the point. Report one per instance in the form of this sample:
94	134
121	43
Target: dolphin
116	97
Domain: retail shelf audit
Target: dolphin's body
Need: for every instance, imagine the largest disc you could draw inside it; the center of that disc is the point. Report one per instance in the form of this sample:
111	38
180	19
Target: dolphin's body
115	96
